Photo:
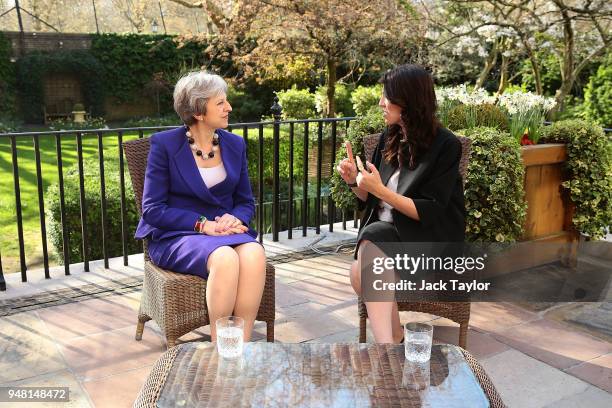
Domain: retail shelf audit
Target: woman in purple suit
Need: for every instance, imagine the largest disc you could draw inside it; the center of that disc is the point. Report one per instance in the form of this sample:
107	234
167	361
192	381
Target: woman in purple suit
197	202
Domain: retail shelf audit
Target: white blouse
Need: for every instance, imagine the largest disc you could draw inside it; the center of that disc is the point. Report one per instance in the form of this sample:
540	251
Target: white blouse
384	211
213	175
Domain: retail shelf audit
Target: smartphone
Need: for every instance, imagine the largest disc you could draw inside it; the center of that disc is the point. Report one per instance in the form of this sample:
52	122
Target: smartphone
349	151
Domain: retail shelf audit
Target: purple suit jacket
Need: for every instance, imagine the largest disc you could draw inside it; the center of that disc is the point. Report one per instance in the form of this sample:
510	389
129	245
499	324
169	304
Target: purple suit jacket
175	195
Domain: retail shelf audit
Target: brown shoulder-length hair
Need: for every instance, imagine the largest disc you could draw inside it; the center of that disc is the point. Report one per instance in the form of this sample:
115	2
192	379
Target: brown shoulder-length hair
411	87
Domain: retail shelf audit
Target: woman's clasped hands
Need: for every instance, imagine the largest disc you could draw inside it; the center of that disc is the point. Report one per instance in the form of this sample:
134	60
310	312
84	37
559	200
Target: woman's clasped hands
227	224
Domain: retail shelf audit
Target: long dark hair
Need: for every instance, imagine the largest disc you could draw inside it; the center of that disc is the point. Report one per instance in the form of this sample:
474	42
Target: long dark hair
411	87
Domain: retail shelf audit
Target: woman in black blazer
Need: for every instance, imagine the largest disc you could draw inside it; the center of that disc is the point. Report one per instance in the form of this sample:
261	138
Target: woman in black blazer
412	191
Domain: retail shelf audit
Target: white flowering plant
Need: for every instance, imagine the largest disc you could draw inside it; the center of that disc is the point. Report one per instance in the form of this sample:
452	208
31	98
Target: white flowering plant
526	113
449	97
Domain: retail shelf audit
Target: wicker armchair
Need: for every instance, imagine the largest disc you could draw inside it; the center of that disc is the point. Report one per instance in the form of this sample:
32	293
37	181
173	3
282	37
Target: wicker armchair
459	312
175	301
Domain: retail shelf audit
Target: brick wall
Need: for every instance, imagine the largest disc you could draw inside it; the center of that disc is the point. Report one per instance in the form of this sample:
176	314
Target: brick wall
47	42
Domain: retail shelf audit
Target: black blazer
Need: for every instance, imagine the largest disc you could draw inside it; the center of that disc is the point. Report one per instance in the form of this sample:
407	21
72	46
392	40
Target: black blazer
436	187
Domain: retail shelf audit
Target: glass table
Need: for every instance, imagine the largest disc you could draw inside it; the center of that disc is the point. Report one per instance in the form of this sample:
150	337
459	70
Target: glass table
316	375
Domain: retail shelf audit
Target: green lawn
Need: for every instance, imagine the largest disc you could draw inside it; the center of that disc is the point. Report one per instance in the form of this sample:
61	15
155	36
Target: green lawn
9	243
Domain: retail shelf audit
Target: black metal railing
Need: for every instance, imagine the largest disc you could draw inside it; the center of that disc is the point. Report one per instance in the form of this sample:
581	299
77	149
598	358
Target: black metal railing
288	210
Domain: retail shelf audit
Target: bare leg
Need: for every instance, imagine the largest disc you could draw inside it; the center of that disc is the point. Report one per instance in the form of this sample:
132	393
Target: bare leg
398	330
222	285
355	276
384	315
251	281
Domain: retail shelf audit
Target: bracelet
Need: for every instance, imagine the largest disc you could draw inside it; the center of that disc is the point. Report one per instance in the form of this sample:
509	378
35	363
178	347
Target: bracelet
352	184
199	225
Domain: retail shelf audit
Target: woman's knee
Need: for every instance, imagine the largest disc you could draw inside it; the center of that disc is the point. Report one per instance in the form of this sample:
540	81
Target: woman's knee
251	253
224	257
364	242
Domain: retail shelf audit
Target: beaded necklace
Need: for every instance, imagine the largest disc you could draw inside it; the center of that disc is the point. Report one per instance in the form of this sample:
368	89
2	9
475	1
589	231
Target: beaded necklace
196	148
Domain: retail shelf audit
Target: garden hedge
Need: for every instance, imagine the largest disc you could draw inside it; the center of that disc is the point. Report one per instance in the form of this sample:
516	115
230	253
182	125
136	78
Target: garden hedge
94	215
589	167
7	81
494	192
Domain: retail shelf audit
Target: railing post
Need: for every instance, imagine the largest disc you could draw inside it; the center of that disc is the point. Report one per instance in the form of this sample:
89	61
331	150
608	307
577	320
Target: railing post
2	281
22	260
276	110
319	175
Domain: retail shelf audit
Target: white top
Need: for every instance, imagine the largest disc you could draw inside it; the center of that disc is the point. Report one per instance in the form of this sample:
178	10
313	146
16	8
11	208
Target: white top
213	175
384	211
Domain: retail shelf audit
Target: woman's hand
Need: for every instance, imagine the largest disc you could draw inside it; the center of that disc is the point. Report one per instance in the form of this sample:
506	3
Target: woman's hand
369	181
347	170
213	228
227	221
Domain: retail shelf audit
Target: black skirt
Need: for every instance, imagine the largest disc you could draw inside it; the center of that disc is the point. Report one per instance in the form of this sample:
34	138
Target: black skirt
378	232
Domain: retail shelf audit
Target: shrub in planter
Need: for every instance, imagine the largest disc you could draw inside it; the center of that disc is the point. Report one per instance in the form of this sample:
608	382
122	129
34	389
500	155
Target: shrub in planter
485	115
371	123
589	166
94	214
297	103
494	192
364	98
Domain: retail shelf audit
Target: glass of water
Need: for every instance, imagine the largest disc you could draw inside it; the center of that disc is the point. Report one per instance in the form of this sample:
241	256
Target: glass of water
417	341
230	336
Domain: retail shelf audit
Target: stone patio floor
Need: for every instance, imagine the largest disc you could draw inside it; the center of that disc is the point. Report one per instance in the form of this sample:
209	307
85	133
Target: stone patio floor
533	359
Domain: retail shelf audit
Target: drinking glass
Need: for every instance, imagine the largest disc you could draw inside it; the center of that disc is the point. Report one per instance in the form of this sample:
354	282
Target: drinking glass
230	336
417	341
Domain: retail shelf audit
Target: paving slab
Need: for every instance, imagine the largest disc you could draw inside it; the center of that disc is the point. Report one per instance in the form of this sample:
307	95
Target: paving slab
553	343
289	273
117	391
597	372
524	382
593	397
113	352
309	321
495	317
27	348
480	345
324	290
93	316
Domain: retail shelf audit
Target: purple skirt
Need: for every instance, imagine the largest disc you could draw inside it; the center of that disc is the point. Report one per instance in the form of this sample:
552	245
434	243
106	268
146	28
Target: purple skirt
189	253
